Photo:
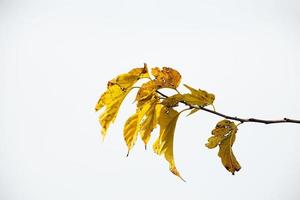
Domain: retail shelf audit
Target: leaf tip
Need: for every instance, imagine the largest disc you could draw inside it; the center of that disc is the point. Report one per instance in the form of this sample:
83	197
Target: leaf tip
182	179
103	135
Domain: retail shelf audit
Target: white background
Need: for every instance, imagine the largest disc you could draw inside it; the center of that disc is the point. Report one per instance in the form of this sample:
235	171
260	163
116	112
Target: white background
57	56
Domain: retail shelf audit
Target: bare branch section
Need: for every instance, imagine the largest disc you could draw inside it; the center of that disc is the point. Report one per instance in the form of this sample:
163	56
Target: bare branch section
241	120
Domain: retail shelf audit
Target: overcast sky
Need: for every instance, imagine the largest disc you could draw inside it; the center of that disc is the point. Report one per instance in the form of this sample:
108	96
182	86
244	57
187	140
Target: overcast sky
57	56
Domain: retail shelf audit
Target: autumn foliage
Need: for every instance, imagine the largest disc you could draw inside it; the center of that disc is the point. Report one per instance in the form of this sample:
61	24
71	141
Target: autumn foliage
155	109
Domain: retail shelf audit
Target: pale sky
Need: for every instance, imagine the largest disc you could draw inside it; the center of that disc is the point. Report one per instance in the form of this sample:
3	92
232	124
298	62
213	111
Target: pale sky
57	56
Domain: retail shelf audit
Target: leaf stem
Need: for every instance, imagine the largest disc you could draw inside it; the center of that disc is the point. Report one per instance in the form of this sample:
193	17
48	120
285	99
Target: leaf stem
177	91
185	110
241	120
135	87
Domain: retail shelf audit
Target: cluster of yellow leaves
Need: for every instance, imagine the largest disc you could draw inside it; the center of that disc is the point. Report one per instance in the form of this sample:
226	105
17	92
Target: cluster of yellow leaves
165	78
224	136
142	122
148	107
149	112
152	111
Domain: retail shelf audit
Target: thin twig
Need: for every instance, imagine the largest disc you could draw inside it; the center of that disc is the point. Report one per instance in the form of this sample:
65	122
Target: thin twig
241	120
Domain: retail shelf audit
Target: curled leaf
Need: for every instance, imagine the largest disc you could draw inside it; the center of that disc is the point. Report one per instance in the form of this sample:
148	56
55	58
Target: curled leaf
225	153
164	143
224	135
167	77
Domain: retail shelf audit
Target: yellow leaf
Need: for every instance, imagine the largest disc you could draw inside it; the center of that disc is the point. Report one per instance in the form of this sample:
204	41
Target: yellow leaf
112	92
112	98
129	79
167	77
131	131
224	135
213	141
224	127
198	97
172	101
225	153
150	121
116	96
194	100
146	92
123	81
164	143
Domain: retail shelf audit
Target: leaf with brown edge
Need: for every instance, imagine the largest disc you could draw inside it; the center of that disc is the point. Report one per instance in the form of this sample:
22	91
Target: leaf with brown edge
167	77
198	97
225	153
164	143
112	98
224	135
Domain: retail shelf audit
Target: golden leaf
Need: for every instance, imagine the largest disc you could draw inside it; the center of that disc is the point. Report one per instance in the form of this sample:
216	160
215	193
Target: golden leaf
194	100
112	98
164	143
225	153
129	79
173	100
131	131
150	120
213	141
198	97
224	135
146	92
167	77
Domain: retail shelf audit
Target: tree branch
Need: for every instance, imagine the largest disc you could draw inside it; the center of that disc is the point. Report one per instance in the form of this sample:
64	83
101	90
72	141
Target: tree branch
241	120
